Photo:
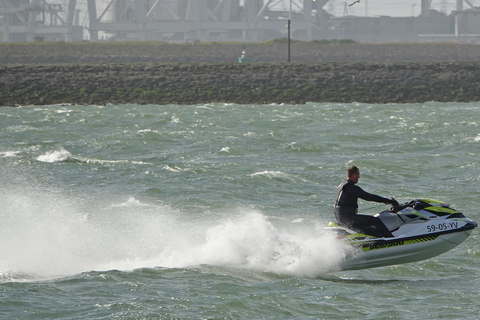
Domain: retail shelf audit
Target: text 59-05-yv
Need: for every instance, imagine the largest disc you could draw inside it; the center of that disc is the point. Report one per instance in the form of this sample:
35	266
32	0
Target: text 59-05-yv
442	226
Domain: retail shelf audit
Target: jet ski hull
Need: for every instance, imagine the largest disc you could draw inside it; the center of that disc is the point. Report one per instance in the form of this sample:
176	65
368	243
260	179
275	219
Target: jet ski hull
398	251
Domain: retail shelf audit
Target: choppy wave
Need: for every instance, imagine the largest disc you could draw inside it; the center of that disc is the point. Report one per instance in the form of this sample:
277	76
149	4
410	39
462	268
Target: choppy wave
55	156
217	211
64	155
273	175
9	154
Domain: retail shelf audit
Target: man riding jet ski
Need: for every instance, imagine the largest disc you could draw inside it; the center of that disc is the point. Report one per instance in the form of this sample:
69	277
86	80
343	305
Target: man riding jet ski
416	230
421	229
346	206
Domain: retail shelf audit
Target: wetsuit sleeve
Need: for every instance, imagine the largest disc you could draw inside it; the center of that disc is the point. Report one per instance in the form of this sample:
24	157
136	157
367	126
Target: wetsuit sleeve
360	193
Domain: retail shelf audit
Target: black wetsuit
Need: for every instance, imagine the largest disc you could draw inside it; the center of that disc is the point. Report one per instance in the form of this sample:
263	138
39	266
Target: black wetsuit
346	207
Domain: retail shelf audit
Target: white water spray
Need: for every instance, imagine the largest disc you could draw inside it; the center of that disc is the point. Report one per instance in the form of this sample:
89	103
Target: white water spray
45	234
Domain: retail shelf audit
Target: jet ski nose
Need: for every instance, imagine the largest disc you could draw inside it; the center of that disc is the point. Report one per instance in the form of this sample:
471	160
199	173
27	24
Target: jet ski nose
470	225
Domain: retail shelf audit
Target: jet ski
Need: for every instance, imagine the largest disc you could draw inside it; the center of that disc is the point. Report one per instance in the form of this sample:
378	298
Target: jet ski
421	229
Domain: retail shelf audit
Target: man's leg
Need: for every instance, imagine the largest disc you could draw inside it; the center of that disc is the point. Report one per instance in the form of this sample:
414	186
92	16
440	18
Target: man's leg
365	222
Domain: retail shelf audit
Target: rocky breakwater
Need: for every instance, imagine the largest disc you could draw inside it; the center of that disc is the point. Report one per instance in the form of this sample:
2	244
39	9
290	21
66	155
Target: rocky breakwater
260	83
158	73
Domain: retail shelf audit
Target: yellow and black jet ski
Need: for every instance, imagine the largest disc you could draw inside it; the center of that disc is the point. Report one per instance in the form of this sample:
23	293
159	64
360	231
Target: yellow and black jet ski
421	229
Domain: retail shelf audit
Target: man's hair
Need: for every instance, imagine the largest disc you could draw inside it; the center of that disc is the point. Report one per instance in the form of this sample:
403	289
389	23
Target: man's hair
352	170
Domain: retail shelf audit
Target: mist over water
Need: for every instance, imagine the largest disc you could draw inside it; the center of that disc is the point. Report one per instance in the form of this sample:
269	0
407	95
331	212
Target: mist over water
218	210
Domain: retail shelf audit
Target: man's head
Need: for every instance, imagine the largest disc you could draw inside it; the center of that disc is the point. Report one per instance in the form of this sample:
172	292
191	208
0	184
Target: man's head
353	173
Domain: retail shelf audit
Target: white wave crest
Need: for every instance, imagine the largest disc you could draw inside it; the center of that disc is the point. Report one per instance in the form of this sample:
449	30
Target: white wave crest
273	175
54	156
9	154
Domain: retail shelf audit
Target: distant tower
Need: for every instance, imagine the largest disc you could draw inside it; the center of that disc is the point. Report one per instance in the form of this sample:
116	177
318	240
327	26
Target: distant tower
331	7
444	6
425	7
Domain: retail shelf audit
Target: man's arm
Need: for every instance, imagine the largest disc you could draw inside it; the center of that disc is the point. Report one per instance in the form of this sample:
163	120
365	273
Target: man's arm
362	194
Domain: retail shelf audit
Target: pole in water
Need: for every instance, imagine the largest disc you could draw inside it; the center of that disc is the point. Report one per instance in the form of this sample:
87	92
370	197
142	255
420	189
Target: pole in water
288	27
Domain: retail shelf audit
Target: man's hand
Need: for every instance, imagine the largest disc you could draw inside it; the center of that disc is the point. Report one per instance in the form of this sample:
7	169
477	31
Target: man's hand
394	202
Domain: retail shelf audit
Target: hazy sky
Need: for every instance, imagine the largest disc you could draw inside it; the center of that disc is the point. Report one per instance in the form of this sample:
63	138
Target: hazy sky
391	7
396	8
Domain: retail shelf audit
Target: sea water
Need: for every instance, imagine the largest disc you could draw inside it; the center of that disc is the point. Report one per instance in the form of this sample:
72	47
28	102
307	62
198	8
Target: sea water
217	211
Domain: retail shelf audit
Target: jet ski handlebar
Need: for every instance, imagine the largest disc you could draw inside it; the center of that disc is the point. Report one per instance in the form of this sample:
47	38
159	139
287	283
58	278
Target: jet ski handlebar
400	207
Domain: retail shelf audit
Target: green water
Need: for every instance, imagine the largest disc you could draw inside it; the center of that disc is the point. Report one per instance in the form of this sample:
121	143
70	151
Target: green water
217	211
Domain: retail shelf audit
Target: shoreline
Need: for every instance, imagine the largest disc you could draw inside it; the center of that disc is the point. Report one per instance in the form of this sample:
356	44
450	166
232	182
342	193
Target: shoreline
43	74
